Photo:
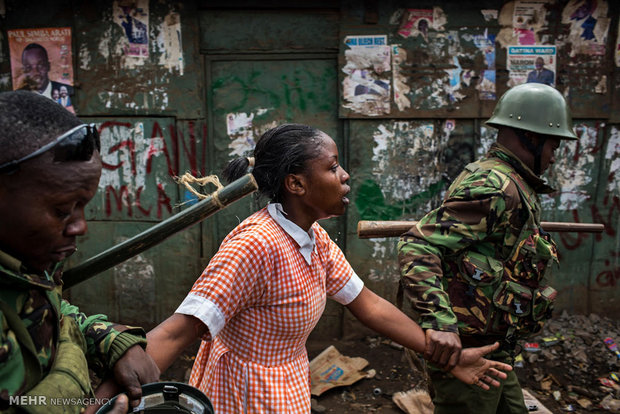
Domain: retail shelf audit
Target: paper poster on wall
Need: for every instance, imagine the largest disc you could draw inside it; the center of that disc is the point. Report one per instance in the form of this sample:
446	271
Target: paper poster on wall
417	23
366	86
531	64
41	61
589	26
528	15
133	17
486	86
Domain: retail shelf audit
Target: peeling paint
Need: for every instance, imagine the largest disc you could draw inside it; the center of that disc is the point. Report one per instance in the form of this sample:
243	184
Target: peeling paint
601	86
5	80
239	129
125	152
489	14
573	170
612	153
170	44
84	57
401	89
242	131
405	158
487	137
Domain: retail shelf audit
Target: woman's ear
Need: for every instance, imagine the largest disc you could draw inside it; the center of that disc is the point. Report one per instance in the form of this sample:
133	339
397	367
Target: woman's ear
295	184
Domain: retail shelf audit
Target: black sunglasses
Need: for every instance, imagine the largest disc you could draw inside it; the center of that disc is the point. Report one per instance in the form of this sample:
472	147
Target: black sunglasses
77	144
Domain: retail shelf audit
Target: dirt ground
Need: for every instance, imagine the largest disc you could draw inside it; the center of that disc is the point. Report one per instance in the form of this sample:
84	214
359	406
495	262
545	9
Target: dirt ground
541	374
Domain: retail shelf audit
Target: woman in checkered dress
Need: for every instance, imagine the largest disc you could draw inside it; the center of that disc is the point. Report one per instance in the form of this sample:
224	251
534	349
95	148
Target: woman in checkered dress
264	291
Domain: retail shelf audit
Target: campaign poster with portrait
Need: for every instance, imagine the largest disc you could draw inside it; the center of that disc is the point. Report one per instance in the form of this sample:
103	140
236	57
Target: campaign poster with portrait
42	61
532	64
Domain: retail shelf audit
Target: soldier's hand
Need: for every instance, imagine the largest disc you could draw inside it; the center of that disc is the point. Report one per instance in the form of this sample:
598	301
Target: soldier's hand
132	370
442	348
474	369
121	405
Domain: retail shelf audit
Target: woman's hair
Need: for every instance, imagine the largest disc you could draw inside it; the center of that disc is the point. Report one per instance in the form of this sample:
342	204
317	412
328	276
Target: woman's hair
282	150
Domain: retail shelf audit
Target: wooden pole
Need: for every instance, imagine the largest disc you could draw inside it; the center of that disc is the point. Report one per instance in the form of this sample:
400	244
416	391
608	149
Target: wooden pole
374	229
159	232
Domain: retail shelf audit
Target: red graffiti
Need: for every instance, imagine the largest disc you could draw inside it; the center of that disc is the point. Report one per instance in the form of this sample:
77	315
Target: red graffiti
608	278
123	200
124	195
573	241
173	146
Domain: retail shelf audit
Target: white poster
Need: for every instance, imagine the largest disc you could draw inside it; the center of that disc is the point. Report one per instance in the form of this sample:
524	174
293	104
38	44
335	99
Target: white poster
532	64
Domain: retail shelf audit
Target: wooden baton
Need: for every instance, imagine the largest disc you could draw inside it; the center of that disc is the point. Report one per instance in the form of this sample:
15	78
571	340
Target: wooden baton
373	229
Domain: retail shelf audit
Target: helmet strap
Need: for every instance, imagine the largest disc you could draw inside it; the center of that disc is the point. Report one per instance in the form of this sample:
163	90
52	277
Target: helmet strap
535	150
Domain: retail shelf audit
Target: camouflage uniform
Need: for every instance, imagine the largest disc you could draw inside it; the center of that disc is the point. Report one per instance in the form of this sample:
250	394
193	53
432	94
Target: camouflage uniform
47	345
474	266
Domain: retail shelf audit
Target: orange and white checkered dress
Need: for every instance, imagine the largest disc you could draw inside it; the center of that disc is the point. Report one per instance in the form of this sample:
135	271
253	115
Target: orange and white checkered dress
260	299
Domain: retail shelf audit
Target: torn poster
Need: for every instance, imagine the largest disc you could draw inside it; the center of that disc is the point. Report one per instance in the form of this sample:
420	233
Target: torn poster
486	86
41	61
133	17
401	88
589	26
366	86
527	17
418	22
531	64
240	130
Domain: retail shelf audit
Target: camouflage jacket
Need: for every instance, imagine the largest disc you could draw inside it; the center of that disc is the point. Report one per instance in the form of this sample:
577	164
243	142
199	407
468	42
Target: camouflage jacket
47	345
475	264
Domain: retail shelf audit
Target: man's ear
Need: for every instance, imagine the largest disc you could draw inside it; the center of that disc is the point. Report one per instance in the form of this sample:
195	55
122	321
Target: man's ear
295	184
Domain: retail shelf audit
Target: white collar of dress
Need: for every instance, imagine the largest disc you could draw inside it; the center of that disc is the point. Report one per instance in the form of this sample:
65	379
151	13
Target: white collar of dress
305	240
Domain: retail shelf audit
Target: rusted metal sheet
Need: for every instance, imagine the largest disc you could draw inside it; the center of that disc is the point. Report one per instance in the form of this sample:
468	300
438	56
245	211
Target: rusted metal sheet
166	81
453	60
586	177
265	31
169	112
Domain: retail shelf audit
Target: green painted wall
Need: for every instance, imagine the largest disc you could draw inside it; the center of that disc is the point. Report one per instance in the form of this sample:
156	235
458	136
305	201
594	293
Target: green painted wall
218	74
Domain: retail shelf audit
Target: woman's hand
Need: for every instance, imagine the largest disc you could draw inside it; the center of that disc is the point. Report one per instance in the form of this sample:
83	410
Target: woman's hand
474	369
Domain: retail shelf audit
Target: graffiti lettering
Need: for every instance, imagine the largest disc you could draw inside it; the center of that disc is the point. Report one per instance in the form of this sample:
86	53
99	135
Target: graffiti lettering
128	163
608	278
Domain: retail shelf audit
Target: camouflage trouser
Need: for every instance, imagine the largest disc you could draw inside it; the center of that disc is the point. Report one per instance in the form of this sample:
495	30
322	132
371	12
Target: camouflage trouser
453	396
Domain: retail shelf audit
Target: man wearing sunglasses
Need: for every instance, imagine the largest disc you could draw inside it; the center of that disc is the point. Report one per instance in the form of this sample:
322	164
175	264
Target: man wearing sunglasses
49	170
474	268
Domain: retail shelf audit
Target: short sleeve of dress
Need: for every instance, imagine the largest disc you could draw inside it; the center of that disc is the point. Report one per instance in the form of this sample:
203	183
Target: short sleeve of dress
342	283
230	283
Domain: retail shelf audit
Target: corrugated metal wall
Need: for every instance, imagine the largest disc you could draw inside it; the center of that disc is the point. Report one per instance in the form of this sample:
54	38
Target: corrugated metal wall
403	88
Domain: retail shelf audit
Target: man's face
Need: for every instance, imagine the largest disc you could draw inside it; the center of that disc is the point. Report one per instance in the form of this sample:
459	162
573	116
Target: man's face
63	91
42	209
547	157
539	63
36	67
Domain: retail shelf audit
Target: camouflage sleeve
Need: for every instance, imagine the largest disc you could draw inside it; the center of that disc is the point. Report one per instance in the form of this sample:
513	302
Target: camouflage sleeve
106	342
471	212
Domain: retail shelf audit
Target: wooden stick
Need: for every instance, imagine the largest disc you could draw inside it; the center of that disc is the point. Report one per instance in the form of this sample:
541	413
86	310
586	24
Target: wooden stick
161	231
372	229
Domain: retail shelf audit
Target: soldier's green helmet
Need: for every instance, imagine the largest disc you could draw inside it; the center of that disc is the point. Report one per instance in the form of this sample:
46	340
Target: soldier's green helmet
534	107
